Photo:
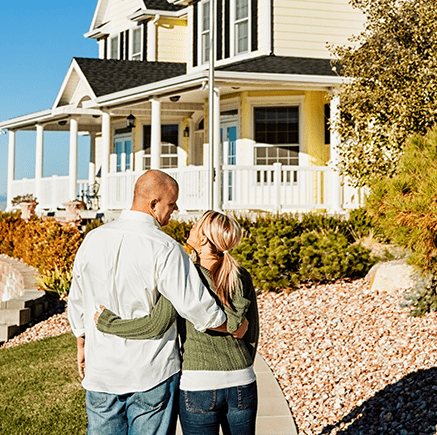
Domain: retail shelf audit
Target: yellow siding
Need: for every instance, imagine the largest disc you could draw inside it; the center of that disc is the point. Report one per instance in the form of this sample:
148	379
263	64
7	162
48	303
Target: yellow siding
303	28
314	127
172	37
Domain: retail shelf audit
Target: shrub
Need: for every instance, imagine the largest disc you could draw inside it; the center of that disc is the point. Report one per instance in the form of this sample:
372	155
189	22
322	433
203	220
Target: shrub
329	256
56	281
179	230
404	209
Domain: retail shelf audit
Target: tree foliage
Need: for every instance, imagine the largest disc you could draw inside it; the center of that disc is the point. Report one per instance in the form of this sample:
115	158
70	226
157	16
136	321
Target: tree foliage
390	91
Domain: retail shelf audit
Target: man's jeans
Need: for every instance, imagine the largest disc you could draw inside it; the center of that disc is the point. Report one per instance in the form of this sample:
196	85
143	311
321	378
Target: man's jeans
202	412
152	412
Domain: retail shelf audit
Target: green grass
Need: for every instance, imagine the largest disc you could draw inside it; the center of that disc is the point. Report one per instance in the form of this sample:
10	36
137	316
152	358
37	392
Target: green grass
40	390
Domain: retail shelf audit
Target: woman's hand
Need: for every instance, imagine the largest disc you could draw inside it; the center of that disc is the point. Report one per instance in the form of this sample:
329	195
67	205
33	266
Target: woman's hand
239	333
97	315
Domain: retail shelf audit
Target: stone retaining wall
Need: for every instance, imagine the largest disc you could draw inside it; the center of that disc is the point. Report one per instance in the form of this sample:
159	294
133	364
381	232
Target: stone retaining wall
20	300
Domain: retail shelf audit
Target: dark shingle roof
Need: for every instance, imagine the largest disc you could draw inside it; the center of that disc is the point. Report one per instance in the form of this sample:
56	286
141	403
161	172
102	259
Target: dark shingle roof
282	65
106	76
161	5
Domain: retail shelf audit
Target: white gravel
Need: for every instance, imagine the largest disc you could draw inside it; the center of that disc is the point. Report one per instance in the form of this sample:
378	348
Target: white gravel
348	361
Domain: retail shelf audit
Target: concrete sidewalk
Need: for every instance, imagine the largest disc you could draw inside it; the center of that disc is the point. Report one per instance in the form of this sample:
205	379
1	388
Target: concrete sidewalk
274	416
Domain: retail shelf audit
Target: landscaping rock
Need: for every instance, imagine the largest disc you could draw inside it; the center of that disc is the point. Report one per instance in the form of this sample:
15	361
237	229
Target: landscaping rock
391	276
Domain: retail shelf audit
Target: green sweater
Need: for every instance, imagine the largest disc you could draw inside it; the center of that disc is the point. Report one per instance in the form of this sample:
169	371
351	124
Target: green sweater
210	350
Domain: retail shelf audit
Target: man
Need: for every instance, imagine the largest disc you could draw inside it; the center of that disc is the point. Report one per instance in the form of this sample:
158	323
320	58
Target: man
123	265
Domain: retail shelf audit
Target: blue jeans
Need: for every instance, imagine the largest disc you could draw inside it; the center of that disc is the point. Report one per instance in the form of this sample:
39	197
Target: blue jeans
202	412
146	413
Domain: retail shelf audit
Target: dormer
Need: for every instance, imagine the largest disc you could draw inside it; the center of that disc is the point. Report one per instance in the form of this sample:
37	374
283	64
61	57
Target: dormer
152	30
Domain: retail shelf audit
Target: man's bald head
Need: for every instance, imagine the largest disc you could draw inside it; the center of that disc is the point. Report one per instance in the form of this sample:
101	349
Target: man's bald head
153	191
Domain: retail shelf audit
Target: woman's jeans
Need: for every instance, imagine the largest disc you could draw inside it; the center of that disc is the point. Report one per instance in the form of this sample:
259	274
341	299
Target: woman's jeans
202	412
147	412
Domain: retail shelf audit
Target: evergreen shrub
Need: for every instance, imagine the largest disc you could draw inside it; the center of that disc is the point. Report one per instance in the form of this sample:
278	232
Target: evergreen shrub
404	209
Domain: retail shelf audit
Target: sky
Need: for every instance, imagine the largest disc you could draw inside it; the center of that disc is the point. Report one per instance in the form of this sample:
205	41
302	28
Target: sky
38	40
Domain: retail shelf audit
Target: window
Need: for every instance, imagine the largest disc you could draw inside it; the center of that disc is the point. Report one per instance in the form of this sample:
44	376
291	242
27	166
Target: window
241	26
136	44
205	32
276	135
169	146
123	151
114	48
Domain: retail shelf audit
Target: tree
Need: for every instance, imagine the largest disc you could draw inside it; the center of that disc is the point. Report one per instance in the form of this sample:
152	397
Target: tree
390	88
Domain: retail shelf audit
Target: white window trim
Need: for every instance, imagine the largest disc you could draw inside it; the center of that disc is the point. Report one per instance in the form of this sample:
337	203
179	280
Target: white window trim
201	33
295	101
233	28
111	38
131	43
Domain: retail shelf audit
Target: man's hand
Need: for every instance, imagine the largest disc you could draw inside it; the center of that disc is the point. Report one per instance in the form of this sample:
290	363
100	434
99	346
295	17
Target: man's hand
239	333
80	344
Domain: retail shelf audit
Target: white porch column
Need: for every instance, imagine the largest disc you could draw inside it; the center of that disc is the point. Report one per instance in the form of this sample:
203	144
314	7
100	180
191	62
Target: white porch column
155	146
39	157
92	163
106	146
217	153
336	206
72	172
11	167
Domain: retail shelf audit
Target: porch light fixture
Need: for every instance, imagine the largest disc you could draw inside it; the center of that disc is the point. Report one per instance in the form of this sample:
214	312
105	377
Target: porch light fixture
62	122
131	121
187	132
175	98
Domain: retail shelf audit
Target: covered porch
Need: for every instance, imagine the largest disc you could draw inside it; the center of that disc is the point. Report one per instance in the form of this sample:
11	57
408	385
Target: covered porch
164	125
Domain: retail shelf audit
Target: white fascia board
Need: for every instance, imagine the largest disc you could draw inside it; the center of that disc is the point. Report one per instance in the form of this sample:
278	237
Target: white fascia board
26	120
73	66
147	90
96	14
149	13
298	79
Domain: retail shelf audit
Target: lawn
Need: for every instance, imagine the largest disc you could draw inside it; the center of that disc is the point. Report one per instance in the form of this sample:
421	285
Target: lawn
40	390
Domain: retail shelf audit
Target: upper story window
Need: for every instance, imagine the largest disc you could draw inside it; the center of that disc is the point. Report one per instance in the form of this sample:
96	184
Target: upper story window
236	29
205	31
136	44
114	48
241	26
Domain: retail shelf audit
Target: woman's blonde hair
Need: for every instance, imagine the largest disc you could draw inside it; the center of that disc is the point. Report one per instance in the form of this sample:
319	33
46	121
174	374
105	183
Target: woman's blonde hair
223	233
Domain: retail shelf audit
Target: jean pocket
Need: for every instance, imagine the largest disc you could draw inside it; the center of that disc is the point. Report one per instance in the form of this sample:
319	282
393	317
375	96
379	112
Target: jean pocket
247	396
154	399
200	401
95	398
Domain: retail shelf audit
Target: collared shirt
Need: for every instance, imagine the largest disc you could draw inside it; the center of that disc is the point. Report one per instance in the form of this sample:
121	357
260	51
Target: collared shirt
123	265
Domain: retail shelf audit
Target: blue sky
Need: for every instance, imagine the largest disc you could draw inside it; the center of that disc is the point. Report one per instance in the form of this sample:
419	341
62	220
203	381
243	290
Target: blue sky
38	40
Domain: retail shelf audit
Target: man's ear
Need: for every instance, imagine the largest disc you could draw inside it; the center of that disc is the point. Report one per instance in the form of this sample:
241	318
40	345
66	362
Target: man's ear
153	203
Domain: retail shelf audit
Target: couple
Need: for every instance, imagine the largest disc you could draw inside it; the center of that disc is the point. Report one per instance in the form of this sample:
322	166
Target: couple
131	267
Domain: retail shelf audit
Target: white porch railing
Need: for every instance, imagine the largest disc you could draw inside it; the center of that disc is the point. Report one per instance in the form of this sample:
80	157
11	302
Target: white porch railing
272	188
54	190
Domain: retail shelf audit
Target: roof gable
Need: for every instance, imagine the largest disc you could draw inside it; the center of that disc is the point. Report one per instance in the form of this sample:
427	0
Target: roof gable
106	76
75	88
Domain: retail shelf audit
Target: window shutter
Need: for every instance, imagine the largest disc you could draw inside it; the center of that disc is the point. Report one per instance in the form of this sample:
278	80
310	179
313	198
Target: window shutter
105	47
227	28
126	45
121	52
195	33
219	20
254	25
145	40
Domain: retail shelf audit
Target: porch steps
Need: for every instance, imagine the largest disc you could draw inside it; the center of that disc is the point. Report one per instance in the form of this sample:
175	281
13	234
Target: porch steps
17	313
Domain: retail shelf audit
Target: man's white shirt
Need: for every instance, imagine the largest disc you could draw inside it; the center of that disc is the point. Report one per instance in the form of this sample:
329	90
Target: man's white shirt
123	265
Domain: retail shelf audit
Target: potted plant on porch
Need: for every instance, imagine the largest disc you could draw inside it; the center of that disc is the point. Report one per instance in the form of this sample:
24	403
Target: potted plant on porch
27	203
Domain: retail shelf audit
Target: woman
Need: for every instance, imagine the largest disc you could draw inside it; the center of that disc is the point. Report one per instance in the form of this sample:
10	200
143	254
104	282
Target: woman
218	383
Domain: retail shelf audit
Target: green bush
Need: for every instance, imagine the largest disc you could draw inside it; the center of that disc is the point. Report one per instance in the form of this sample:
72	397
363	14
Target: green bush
56	281
329	256
179	230
404	209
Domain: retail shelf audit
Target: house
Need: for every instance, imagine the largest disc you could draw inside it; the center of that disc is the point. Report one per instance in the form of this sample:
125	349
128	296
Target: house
144	102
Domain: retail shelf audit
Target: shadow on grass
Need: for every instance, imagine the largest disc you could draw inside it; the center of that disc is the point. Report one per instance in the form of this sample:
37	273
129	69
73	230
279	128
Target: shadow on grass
407	407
